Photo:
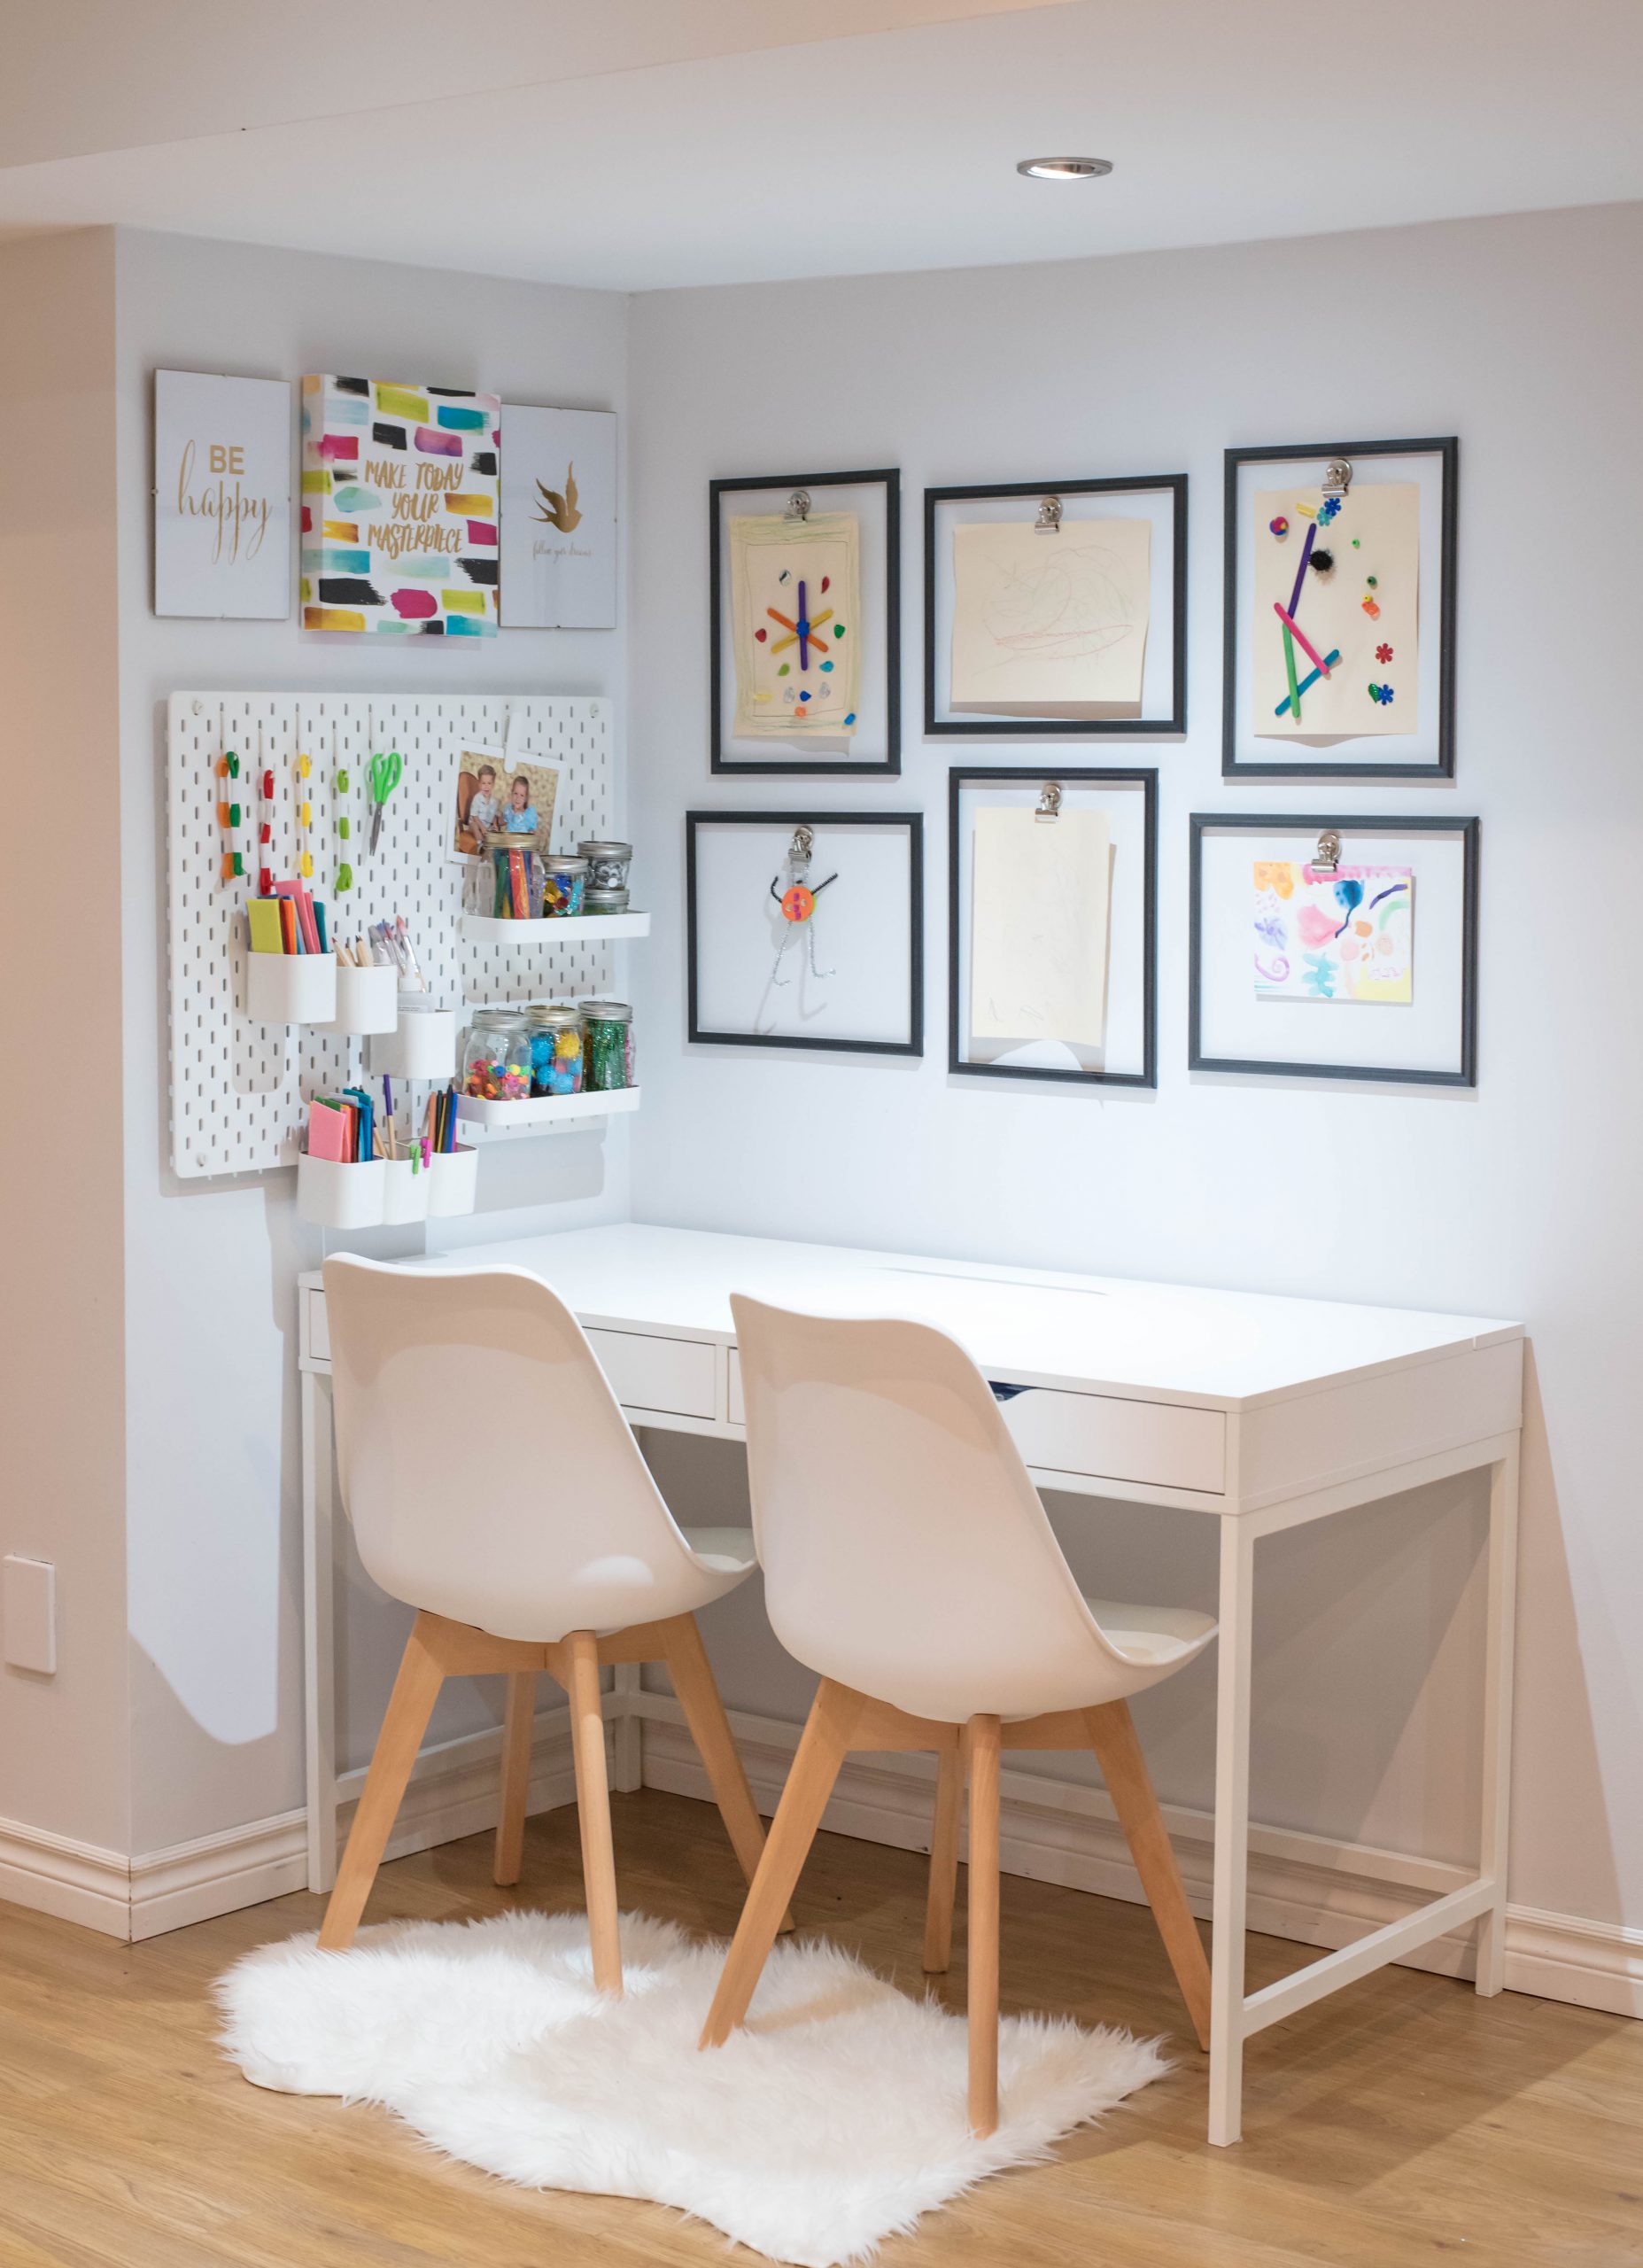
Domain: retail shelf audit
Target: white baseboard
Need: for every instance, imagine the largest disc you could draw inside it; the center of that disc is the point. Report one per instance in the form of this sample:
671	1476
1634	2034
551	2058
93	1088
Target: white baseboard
1303	1887
1307	1888
454	1791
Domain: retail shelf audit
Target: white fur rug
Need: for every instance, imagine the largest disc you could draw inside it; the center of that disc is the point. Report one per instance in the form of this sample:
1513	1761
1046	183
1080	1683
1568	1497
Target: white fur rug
833	2119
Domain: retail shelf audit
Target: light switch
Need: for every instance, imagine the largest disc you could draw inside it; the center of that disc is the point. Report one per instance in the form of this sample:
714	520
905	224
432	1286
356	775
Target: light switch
30	1614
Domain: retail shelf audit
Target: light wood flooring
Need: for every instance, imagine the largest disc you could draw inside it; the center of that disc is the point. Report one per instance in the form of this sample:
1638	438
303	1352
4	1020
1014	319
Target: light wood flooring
1405	2122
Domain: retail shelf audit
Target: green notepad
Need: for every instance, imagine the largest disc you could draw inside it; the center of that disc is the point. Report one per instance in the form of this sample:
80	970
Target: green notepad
267	936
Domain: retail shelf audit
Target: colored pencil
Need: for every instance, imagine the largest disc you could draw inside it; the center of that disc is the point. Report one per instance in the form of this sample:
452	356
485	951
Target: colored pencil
1301	639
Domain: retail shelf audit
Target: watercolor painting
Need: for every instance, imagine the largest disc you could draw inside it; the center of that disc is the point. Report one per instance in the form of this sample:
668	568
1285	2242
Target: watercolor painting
400	508
1346	935
1050	623
1336	611
795	609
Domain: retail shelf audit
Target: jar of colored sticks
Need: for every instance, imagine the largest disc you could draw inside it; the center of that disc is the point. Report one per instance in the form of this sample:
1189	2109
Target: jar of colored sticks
496	1056
608	1045
555	1049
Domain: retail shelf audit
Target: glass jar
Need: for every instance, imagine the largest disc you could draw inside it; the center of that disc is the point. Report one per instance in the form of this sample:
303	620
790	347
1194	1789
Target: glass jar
596	900
608	1045
496	1056
608	863
517	872
564	884
555	1050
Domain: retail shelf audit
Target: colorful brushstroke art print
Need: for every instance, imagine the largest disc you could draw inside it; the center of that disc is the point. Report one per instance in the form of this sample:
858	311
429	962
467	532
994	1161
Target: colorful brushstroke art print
794	608
1348	935
400	508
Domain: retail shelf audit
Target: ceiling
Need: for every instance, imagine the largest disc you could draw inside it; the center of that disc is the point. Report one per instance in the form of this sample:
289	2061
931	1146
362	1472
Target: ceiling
640	145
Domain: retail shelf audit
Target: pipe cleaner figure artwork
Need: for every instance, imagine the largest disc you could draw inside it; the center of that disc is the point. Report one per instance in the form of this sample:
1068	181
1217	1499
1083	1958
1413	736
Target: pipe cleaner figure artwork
1337	609
794	608
795	896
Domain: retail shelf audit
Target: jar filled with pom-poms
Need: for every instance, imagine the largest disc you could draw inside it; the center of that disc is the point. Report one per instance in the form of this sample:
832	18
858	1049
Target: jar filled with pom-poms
496	1056
555	1050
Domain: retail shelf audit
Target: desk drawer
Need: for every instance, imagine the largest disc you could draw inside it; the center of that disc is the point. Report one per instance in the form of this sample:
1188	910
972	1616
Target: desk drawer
1161	1443
670	1374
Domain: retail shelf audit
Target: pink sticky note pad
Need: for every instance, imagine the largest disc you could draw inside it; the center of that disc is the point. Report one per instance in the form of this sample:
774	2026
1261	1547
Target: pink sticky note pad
328	1131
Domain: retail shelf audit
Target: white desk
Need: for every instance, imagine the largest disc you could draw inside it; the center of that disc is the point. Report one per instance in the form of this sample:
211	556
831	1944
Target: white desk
1260	1413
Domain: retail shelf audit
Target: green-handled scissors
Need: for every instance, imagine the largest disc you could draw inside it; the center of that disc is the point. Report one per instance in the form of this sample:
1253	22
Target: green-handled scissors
386	771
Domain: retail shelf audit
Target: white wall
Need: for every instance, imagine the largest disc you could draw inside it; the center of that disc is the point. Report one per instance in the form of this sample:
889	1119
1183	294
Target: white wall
212	1397
62	1738
1519	1199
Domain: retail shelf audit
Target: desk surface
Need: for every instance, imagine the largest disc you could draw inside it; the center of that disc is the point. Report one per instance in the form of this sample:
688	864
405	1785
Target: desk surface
1167	1342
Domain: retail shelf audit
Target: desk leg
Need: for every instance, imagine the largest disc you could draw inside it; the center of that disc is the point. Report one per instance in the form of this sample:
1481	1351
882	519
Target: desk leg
1498	1715
1232	1831
319	1638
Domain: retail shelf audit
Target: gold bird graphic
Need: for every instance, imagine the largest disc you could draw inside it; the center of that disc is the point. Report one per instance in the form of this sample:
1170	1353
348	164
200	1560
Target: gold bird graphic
560	511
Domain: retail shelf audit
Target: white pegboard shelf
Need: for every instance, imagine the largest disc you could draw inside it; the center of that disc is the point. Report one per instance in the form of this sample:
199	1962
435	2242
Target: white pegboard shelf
492	1122
240	1089
568	930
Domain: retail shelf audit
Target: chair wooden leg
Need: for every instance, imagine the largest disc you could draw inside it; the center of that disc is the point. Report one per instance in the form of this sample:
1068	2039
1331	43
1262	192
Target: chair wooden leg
698	1692
1123	1767
821	1749
950	1800
518	1725
415	1689
599	1861
983	1924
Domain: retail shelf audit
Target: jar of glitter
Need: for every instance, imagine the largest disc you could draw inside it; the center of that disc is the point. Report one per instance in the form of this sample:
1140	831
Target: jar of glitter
564	885
496	1056
555	1049
608	1045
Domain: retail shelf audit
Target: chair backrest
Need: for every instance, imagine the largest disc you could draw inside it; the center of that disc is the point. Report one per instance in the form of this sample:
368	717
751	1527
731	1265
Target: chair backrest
905	1550
486	1466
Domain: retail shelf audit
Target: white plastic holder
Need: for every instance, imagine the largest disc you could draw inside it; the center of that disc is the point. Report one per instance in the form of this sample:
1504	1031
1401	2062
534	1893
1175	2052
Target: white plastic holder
407	1188
560	930
290	988
339	1196
367	999
453	1183
492	1122
421	1045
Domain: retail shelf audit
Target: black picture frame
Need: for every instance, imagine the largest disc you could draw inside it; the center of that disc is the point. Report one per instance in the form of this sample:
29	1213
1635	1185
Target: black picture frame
1465	1074
885	767
1446	447
1061	727
958	779
817	816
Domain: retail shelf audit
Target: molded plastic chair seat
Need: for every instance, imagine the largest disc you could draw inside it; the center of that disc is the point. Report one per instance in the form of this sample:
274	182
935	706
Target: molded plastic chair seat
495	1484
724	1551
908	1561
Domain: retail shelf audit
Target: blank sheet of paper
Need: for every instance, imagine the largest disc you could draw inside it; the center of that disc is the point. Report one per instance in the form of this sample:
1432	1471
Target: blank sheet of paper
1038	954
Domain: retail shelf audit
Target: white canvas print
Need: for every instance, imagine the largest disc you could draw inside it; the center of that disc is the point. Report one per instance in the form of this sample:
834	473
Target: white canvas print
222	496
1050	623
559	518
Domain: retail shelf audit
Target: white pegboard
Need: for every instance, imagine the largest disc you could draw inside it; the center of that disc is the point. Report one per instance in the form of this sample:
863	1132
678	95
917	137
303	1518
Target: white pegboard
239	1089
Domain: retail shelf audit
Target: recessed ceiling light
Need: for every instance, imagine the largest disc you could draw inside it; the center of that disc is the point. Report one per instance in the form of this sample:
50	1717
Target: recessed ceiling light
1065	168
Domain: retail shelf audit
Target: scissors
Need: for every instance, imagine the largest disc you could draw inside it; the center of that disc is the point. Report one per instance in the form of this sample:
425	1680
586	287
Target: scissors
386	771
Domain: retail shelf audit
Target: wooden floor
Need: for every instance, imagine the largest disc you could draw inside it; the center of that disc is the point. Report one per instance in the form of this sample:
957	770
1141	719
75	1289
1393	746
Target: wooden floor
1406	2121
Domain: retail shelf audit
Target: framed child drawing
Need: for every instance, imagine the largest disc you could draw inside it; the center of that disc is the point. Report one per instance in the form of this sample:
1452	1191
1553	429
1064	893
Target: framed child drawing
1340	611
803	596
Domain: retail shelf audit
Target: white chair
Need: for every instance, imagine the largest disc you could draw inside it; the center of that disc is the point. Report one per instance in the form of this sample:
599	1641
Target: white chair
495	1485
908	1559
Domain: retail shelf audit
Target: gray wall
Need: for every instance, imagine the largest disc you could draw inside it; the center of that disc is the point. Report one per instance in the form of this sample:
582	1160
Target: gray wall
1521	1199
215	1563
